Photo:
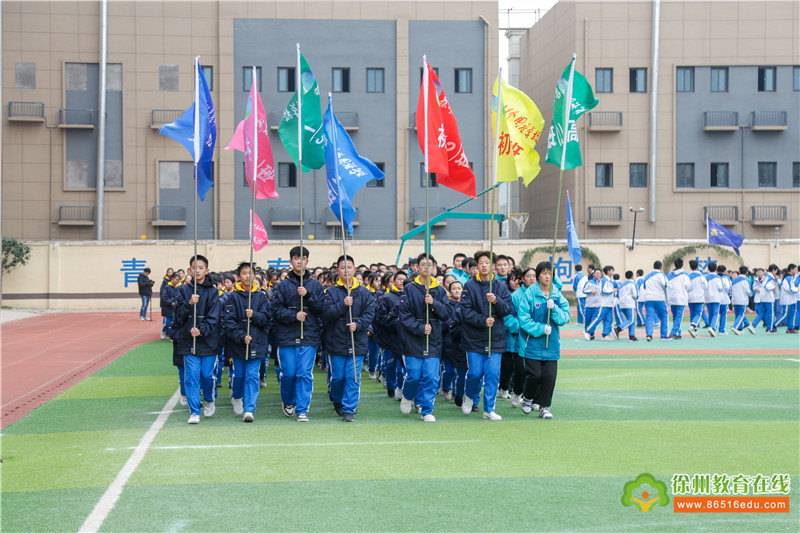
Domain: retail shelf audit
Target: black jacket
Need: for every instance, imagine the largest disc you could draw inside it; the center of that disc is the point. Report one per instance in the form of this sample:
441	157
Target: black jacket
209	313
475	311
168	296
384	326
411	338
451	338
286	305
235	321
336	316
145	285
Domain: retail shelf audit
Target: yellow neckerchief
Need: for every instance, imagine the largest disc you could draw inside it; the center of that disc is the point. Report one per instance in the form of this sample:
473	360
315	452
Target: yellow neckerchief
239	287
173	286
221	292
479	278
340	283
395	289
168	278
433	285
371	289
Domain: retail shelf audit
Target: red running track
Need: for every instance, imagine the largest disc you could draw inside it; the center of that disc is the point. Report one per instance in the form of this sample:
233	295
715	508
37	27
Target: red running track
44	355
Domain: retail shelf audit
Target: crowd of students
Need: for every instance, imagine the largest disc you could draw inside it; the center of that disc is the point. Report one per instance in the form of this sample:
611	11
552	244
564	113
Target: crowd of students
422	330
643	300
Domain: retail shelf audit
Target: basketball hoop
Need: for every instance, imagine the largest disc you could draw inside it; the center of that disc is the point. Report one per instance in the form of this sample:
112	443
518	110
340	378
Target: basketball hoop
520	219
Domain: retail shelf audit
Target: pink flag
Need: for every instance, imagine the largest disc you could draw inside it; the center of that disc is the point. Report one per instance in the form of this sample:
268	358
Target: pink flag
244	141
257	231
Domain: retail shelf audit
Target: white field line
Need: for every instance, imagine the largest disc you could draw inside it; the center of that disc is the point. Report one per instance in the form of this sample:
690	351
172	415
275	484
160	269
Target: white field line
606	359
794	360
109	499
295	444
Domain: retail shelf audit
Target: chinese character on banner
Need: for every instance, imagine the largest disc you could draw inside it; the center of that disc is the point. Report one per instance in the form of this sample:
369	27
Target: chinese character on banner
279	263
563	268
132	268
681	484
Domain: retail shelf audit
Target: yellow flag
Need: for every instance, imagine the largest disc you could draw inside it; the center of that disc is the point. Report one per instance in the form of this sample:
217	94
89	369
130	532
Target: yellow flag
520	127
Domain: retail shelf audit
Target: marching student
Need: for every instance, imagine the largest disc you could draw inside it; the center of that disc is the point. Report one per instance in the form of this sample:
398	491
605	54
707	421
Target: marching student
713	297
511	322
199	345
764	288
578	282
696	296
594	301
654	294
678	288
418	342
245	348
639	282
788	299
628	295
502	266
347	313
724	299
454	359
296	351
511	376
384	327
458	268
168	295
542	312
606	304
740	296
483	334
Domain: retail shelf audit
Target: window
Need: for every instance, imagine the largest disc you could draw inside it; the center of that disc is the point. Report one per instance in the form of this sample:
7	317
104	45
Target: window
719	79
685	82
603	80
422	72
796	83
341	80
247	72
463	80
168	77
337	233
287	175
208	72
767	174
795	174
638	80
25	75
719	174
603	175
638	175
431	183
378	184
286	78
375	80
766	79
685	175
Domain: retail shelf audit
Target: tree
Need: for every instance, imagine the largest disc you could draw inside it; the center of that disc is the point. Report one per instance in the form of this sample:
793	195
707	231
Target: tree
638	492
15	253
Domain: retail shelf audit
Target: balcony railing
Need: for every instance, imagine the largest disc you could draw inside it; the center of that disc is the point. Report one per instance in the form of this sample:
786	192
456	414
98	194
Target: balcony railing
70	117
168	215
605	215
76	215
768	215
724	214
770	120
159	117
349	120
720	121
605	120
418	215
26	111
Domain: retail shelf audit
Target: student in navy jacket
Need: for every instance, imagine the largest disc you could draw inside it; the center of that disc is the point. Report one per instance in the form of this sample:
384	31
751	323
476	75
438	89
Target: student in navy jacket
454	358
347	313
199	344
296	351
168	294
423	313
484	303
384	329
246	347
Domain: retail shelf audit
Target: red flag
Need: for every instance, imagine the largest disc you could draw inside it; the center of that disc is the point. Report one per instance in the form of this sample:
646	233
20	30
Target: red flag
244	141
260	238
445	153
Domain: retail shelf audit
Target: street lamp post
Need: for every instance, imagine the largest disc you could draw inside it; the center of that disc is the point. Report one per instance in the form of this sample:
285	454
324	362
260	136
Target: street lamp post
635	212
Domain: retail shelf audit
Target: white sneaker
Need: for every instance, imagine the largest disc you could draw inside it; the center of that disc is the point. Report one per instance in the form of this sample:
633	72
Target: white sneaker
372	375
194	419
248	417
751	329
405	405
503	393
183	401
608	338
693	332
466	405
587	336
302	417
428	418
736	331
398	394
447	396
516	400
419	409
545	413
238	406
535	407
288	410
712	332
262	383
209	409
492	416
163	336
141	318
527	406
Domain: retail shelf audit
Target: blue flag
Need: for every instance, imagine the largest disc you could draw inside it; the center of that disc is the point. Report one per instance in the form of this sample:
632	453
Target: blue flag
718	234
573	245
184	130
347	171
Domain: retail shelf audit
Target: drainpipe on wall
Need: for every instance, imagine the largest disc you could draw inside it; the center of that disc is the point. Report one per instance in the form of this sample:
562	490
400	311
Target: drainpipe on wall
651	213
101	119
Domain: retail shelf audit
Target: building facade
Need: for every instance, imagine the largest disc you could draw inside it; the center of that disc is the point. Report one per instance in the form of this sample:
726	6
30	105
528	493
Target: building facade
367	54
720	136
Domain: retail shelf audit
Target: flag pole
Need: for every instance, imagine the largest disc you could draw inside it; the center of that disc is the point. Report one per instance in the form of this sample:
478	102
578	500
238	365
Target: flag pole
196	140
567	108
254	110
298	84
341	221
425	82
500	109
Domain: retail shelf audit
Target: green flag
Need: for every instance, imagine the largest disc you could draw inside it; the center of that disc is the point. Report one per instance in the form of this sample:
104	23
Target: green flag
572	83
310	112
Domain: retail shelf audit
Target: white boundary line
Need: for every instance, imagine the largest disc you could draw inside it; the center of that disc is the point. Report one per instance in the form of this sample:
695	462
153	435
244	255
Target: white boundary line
295	444
688	359
109	499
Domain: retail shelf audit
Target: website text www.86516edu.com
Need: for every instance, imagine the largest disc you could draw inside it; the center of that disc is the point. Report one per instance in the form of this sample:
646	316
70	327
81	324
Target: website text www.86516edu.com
731	504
